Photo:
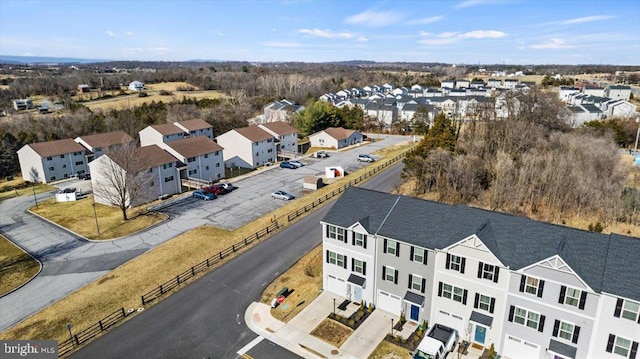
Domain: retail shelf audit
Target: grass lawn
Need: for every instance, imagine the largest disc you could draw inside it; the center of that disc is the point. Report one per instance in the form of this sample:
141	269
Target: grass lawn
386	350
18	187
123	286
304	278
78	216
16	266
332	332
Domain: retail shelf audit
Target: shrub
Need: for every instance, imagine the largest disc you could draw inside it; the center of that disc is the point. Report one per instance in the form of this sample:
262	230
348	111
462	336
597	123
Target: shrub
143	94
165	93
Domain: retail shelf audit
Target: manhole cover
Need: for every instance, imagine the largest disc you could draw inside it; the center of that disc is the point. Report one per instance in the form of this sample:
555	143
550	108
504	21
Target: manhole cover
334	352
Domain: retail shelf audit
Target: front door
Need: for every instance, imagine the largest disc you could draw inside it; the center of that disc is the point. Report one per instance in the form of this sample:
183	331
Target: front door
481	332
415	312
357	294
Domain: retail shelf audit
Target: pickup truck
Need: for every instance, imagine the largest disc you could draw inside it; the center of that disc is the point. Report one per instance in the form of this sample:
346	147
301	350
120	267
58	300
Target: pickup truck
437	343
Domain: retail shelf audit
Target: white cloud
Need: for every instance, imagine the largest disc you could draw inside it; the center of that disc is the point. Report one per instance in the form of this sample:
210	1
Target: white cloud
581	20
362	39
274	29
451	37
110	33
470	3
553	43
327	34
424	33
157	50
427	20
374	19
282	44
128	33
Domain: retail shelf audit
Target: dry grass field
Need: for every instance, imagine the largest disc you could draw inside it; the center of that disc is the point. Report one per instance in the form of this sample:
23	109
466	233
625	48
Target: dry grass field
332	332
18	187
16	266
78	216
386	350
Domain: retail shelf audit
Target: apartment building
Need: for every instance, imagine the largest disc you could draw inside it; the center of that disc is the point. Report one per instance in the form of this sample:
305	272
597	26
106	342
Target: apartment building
533	289
51	161
247	147
201	155
286	136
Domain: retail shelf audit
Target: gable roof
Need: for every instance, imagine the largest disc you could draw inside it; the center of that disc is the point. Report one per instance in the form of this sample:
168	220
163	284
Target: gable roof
254	133
106	139
605	262
167	129
280	127
193	125
338	133
53	148
194	146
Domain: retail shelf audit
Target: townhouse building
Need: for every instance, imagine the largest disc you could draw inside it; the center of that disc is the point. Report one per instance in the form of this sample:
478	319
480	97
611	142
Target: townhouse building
101	143
532	289
247	147
201	155
196	127
51	161
282	110
565	92
286	137
167	132
618	92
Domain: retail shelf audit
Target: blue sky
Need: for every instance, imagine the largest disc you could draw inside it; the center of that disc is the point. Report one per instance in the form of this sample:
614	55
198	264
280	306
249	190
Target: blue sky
466	31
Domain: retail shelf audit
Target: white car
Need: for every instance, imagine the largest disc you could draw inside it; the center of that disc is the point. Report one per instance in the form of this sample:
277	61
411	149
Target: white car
297	163
365	158
282	195
227	185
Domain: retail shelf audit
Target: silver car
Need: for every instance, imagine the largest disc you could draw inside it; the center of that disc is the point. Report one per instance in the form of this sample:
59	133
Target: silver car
282	195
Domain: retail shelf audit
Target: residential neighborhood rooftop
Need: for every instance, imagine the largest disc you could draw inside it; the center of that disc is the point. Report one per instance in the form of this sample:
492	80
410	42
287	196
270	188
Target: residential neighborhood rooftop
254	133
167	129
193	125
338	133
107	139
53	148
280	127
194	146
152	156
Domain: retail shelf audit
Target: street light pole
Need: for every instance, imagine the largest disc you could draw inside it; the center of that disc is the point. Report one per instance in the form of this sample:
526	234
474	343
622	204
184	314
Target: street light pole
70	335
635	148
391	326
334	306
95	214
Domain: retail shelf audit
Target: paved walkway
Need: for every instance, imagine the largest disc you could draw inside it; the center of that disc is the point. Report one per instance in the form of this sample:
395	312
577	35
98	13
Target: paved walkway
295	336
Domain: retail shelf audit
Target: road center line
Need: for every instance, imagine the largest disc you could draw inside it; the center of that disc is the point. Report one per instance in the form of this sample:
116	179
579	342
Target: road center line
248	347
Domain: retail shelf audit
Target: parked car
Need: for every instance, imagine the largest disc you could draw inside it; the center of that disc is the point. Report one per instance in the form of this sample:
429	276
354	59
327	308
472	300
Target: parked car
365	158
320	154
84	176
200	194
227	185
217	189
296	163
287	164
282	195
268	163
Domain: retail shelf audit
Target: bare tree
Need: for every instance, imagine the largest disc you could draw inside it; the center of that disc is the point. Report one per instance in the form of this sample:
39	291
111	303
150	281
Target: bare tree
123	179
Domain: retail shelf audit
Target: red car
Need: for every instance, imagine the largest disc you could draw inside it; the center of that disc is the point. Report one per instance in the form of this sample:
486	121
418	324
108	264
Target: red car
216	189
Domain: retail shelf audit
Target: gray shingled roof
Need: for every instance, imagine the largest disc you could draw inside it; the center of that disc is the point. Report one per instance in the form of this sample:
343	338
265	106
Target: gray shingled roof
605	262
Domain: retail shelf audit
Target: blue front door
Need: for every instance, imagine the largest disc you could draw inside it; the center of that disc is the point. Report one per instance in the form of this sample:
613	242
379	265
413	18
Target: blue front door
415	312
481	332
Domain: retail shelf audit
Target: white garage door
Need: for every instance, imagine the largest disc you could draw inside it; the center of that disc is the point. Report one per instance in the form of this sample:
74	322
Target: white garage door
451	320
336	286
389	303
516	348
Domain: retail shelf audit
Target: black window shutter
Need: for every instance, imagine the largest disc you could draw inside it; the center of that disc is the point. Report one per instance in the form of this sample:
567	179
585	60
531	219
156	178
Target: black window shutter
353	238
353	264
395	278
492	305
397	249
556	327
424	283
384	272
523	280
327	256
464	296
327	231
612	338
364	268
634	350
480	265
346	236
583	300
476	300
618	308
364	241
511	311
495	276
464	260
563	292
344	263
448	261
410	279
424	256
541	324
576	333
413	249
384	246
540	288
439	289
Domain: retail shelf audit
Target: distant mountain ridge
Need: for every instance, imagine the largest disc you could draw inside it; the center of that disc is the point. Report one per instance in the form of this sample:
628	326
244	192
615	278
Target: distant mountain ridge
10	59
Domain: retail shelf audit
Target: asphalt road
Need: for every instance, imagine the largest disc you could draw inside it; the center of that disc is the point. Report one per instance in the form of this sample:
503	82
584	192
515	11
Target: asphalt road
205	319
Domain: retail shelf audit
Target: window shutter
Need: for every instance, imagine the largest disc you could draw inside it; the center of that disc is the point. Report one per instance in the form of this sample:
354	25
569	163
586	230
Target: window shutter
439	289
384	244
495	275
353	264
511	311
424	256
327	256
563	292
424	284
364	268
618	308
464	260
634	350
353	238
476	300
410	278
492	305
448	261
583	300
395	278
612	338
556	328
576	333
464	296
384	272
344	263
364	241
397	249
523	279
541	324
327	231
346	236
480	265
540	288
413	250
